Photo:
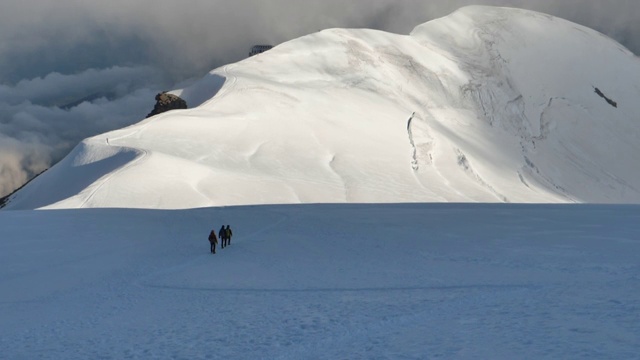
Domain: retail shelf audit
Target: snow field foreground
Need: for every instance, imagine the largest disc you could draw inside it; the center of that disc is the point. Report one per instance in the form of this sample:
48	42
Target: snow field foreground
413	281
485	105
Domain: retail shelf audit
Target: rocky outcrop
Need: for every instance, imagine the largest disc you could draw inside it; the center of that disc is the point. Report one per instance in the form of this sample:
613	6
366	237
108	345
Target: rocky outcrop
166	102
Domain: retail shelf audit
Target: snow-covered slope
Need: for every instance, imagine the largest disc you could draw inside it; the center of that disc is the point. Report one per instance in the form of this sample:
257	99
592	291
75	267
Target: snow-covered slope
331	281
485	105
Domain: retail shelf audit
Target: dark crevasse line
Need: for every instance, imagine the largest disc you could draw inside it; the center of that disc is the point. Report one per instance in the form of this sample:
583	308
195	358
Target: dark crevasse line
602	95
414	159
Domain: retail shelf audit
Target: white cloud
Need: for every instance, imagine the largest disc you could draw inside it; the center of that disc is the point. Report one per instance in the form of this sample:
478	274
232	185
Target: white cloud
36	130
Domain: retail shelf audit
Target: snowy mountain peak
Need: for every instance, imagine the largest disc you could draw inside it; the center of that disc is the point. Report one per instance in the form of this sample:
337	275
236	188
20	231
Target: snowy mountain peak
485	105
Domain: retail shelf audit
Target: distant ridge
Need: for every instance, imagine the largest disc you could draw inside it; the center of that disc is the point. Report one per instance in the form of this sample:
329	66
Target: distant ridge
508	105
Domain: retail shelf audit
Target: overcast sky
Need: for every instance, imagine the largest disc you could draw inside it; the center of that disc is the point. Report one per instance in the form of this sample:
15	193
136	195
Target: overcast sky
117	54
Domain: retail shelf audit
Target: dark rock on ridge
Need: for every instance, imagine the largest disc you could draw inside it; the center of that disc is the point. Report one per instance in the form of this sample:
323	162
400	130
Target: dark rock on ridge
166	102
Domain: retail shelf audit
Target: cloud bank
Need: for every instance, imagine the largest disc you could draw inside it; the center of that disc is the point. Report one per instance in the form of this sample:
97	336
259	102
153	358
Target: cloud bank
71	69
43	118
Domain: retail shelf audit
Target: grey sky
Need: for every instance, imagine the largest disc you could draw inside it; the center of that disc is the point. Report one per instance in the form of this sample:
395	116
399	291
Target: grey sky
116	54
190	36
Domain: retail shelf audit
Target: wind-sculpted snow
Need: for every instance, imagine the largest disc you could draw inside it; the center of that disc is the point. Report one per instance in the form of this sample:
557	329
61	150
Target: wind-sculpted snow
505	110
84	170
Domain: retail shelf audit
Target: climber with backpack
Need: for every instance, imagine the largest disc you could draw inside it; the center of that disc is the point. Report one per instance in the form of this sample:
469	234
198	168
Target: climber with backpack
223	237
213	241
228	234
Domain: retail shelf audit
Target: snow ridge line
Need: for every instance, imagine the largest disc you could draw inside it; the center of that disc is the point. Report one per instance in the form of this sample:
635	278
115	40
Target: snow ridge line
144	152
104	180
224	90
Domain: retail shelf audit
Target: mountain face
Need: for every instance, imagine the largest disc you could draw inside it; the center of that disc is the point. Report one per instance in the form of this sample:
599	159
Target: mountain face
485	105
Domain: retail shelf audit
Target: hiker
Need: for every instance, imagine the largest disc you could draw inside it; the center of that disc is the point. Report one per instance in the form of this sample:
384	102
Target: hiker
213	241
223	236
228	234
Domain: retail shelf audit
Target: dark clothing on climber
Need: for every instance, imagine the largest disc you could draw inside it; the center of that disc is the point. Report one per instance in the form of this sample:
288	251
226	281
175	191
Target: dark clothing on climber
228	234
223	236
213	241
